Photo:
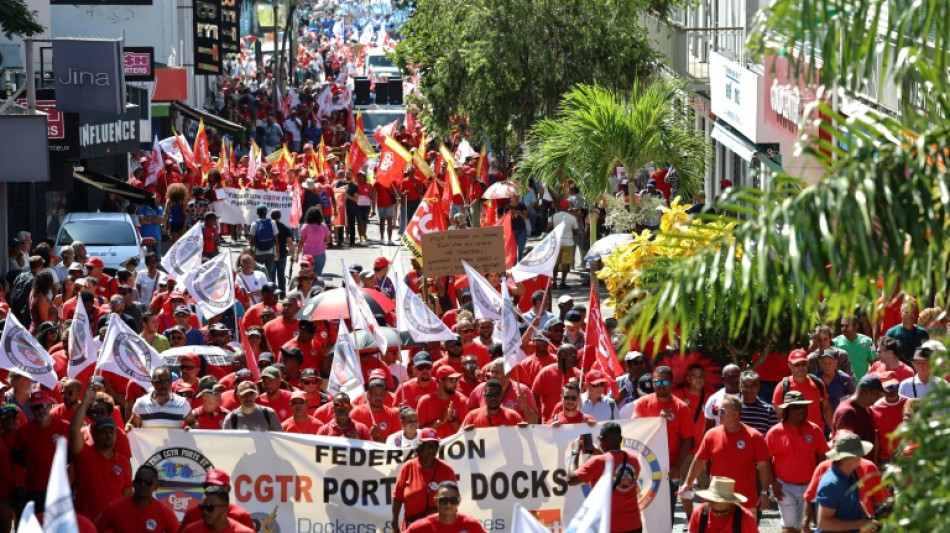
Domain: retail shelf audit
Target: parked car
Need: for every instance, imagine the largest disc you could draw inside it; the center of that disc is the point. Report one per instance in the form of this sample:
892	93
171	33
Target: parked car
111	237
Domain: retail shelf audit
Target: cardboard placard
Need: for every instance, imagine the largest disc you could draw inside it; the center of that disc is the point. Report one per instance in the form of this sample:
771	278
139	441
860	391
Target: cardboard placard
444	251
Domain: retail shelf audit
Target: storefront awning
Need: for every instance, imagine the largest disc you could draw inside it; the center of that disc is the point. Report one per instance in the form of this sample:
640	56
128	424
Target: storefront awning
110	184
210	120
734	142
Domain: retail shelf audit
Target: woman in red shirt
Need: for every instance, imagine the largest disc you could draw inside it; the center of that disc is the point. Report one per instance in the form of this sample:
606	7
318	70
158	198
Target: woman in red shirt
448	519
418	480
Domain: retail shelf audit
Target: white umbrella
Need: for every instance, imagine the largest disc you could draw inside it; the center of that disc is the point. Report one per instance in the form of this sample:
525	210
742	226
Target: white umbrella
502	190
606	246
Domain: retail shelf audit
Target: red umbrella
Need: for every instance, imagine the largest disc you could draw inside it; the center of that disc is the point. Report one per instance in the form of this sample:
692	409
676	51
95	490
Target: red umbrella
331	305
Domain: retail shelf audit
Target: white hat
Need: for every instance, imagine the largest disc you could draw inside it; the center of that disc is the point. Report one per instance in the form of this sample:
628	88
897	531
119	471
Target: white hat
309	184
721	490
564	299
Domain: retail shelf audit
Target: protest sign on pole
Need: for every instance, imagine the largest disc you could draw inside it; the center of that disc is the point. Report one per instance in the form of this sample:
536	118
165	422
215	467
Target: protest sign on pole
345	372
509	332
486	302
212	285
541	260
429	218
128	355
413	316
239	206
23	353
185	254
482	248
361	314
82	343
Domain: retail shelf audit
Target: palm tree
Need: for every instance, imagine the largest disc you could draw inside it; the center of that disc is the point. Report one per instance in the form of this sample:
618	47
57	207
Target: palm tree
596	128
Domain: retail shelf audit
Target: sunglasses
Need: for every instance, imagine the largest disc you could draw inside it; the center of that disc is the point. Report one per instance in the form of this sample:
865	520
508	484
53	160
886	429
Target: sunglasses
570	398
187	394
342	405
661	382
309	381
448	500
210	506
189	367
597	385
466	330
97	412
424	367
165	382
140	481
492	395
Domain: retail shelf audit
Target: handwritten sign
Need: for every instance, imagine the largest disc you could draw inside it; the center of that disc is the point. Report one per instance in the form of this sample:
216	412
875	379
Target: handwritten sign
444	251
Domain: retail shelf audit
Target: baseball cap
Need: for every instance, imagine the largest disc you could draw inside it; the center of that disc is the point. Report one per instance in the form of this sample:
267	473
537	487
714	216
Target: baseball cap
422	358
292	351
74	266
270	372
925	350
218	326
355	268
40	398
270	287
298	395
265	356
565	298
377	373
243	375
596	376
95	262
553	322
888	379
261	208
633	355
217	477
428	435
9	410
254	331
446	372
103	422
871	382
572	318
380	262
194	358
827	353
306	260
97	380
306	325
246	387
797	356
182	309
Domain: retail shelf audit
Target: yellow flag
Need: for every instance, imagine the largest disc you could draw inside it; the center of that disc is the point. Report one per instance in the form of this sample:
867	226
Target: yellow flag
275	157
452	178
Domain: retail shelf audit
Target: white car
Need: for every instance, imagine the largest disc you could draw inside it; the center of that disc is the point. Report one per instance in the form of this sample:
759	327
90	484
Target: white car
111	237
377	61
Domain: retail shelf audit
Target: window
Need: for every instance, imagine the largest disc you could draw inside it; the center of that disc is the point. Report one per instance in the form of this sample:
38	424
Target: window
97	233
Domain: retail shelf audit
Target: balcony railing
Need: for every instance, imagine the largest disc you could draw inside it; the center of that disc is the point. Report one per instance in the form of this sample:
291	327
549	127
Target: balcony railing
686	49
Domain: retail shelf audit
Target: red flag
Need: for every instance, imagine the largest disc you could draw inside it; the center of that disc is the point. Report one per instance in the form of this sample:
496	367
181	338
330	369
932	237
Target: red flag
201	151
360	151
393	158
154	164
410	123
429	217
251	358
482	172
511	246
386	131
186	154
296	205
598	351
359	121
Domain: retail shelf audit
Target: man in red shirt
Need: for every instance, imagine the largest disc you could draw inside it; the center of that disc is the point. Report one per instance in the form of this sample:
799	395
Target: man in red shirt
381	420
466	331
210	415
342	425
35	446
446	408
279	332
411	391
470	379
526	371
570	412
624	504
218	479
453	356
107	284
272	395
515	396
796	446
269	298
102	475
888	413
724	512
552	378
417	481
493	414
214	514
140	511
737	452
819	412
72	391
311	347
300	421
693	394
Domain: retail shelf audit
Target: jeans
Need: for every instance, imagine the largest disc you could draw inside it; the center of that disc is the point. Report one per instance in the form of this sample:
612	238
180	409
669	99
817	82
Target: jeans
521	237
351	213
279	273
319	261
268	261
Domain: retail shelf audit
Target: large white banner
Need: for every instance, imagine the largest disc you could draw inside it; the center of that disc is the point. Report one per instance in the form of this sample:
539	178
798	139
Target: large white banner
304	483
239	206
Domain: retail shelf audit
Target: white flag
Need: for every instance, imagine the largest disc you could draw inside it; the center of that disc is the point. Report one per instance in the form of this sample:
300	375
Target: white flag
361	315
28	521
510	335
185	254
541	260
486	301
212	285
414	316
366	36
524	522
59	516
128	355
83	351
170	147
154	163
346	375
21	351
594	514
464	151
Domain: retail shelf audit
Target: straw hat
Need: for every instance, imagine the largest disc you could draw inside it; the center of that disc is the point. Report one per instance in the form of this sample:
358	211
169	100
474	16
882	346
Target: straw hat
721	490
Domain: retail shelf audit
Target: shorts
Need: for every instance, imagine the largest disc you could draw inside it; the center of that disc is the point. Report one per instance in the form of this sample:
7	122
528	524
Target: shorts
176	226
792	505
566	256
702	481
362	213
386	212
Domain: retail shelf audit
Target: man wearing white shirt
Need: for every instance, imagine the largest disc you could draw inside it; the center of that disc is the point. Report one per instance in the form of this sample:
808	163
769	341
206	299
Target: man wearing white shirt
922	383
730	380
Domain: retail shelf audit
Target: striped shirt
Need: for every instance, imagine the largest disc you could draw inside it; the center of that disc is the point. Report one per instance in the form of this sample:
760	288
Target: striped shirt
759	416
167	415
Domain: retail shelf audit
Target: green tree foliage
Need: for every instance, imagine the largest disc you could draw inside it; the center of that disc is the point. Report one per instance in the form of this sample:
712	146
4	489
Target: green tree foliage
596	128
503	64
17	19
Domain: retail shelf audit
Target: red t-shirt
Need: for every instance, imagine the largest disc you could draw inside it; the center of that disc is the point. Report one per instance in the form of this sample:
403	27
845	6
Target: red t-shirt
212	420
280	403
481	419
560	418
679	424
902	371
387	419
38	446
715	524
122	445
527	370
416	486
384	195
811	392
99	480
509	397
625	508
353	430
237	514
312	353
11	473
480	352
548	386
308	427
431	524
123	516
696	403
233	527
370	363
887	417
736	456
870	488
410	392
454	364
252	317
278	333
431	408
795	451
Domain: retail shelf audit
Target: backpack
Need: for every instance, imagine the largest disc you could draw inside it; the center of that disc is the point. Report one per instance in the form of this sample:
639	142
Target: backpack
20	298
736	519
264	235
818	383
266	412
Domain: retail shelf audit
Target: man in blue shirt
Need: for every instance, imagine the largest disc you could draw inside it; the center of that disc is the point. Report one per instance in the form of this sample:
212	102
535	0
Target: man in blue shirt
838	498
150	217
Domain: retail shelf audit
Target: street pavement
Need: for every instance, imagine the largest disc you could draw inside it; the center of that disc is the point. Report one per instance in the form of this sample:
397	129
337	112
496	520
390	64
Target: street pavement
578	288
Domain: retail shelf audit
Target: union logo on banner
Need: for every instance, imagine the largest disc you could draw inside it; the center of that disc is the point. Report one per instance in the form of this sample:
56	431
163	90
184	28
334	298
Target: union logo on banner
387	162
20	348
419	316
129	352
181	472
78	337
185	254
214	287
547	249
